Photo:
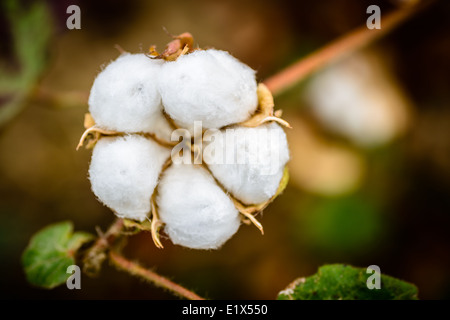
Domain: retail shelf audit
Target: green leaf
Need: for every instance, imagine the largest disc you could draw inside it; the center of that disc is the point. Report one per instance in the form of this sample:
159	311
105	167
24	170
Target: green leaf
344	282
50	252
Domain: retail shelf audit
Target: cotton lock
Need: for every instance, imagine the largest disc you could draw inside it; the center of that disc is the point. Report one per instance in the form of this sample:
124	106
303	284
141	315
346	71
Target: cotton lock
248	162
125	96
209	86
124	172
195	210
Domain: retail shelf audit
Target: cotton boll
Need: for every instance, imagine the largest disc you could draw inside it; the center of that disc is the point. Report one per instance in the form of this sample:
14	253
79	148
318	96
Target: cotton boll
124	172
248	162
359	98
125	97
209	86
196	212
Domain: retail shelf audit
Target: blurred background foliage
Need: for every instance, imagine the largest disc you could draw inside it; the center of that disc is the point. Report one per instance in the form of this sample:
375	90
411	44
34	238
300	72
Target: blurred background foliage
370	168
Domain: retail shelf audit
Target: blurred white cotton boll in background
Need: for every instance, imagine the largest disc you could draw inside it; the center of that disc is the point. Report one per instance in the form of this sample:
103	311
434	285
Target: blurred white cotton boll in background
359	98
124	172
248	162
209	86
196	212
125	96
320	166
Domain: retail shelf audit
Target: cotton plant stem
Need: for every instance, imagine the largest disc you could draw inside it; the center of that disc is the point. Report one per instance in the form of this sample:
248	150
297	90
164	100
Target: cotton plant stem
104	243
352	41
59	99
110	235
96	254
137	270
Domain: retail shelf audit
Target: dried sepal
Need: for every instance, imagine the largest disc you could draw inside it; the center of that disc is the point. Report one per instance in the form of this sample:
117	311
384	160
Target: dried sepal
93	134
249	211
156	225
247	215
278	113
120	49
152	225
154	137
283	183
180	45
265	112
136	226
88	121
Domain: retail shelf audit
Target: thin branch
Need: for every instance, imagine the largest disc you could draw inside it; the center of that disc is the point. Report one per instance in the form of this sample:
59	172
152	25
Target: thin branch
59	99
95	255
135	269
108	237
359	38
98	253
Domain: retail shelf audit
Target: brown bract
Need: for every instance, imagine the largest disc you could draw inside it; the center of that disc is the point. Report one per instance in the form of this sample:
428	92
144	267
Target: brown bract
265	111
181	44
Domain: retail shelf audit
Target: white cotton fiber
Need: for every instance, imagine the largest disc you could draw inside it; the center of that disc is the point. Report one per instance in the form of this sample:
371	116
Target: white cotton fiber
248	162
359	98
209	86
124	172
196	212
125	96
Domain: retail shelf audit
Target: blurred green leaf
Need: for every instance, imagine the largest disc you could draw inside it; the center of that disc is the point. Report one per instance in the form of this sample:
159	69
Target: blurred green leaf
50	252
348	225
30	28
343	282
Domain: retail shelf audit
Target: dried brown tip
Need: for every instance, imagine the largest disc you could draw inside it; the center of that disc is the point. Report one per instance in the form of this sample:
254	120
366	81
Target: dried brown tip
156	226
180	45
88	121
152	51
265	112
120	49
278	120
98	131
162	142
247	212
